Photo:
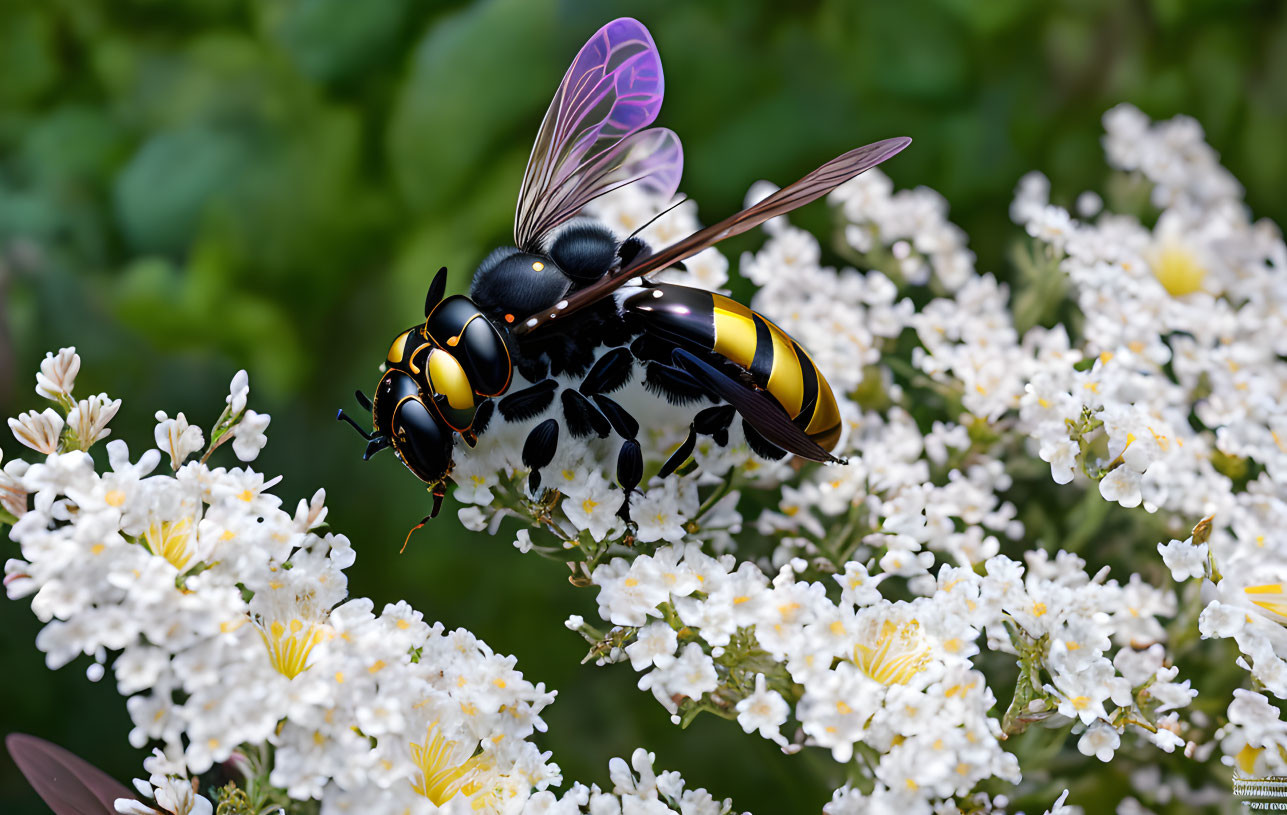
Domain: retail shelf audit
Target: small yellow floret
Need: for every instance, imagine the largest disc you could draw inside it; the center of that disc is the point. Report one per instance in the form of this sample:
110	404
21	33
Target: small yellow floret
1178	271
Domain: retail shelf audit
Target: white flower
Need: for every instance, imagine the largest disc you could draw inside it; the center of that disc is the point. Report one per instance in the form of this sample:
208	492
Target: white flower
655	644
692	674
472	518
1059	807
169	786
58	374
1062	455
764	710
89	417
595	508
39	431
177	438
1100	740
238	393
248	436
1184	559
659	514
1121	485
523	541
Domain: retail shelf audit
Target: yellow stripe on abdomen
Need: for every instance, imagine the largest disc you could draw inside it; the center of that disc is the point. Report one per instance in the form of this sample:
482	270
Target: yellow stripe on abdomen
786	381
824	426
734	331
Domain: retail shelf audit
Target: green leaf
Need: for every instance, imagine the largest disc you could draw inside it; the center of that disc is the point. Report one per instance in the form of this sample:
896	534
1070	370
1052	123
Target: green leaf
461	104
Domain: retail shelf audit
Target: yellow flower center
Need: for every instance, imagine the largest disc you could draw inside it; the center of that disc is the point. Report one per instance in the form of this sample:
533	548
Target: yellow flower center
899	653
114	498
442	773
1246	758
1178	271
169	539
289	644
1270	598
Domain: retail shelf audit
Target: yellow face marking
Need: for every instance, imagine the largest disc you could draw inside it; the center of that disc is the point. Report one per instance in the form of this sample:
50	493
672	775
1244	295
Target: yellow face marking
786	381
411	358
446	377
395	350
734	331
538	266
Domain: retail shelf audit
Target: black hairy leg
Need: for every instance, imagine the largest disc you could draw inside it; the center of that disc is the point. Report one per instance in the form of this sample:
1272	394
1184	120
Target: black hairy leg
713	422
681	454
627	426
529	402
674	385
629	473
538	451
582	417
609	373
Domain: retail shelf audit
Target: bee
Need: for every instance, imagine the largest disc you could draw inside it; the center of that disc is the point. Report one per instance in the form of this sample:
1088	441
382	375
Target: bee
552	305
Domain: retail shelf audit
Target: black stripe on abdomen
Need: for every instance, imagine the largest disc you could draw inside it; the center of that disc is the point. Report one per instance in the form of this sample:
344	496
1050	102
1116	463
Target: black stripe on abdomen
809	387
762	363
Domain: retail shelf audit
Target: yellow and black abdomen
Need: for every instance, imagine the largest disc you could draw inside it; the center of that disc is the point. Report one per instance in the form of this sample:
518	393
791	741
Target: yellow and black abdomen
704	321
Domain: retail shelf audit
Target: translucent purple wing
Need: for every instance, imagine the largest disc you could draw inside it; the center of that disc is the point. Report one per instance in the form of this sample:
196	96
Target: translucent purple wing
810	188
592	138
67	783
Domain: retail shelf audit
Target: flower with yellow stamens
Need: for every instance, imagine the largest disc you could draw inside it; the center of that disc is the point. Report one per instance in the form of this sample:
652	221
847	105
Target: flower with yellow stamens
170	539
445	767
900	651
290	643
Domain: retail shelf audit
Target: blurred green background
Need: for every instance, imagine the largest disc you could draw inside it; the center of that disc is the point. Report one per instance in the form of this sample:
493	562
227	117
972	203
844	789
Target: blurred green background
189	187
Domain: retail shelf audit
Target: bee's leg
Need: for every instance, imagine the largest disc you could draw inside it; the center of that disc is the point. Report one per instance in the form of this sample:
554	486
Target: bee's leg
681	454
609	373
482	418
714	422
539	449
582	417
629	472
529	402
626	426
675	386
439	491
363	400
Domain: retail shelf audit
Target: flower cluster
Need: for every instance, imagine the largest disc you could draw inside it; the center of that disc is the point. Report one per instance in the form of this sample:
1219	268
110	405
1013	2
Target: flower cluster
937	614
1182	407
859	608
225	621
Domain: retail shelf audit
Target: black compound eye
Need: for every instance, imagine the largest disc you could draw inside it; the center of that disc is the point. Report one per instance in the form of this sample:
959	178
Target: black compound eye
460	329
421	442
394	387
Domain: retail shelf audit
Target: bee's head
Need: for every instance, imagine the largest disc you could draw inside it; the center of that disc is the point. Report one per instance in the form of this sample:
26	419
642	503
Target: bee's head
418	435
